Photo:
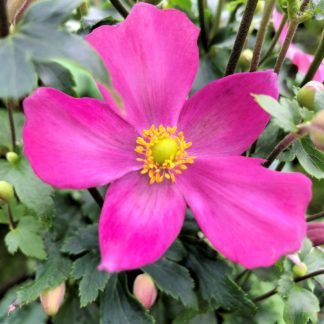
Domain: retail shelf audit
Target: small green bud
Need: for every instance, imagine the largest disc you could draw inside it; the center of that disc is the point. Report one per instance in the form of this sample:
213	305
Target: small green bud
52	299
6	191
316	131
12	157
245	59
260	6
306	95
299	269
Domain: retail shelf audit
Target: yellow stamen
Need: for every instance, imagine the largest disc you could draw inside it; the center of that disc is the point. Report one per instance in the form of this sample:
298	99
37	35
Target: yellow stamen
163	153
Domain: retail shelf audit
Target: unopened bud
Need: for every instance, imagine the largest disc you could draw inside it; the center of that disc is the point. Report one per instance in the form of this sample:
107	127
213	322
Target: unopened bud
260	6
299	269
306	95
316	131
12	157
144	290
52	299
245	59
6	191
315	232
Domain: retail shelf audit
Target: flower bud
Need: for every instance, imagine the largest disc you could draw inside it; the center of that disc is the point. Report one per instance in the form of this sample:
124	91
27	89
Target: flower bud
12	157
316	131
144	290
6	191
245	59
315	232
52	299
299	269
306	95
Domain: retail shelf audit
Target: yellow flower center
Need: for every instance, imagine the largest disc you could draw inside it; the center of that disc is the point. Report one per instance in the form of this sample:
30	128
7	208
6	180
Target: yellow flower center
163	153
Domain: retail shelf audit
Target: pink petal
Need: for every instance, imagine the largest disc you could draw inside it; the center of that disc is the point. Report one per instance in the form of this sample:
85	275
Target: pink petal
301	59
249	213
76	143
138	222
152	58
223	118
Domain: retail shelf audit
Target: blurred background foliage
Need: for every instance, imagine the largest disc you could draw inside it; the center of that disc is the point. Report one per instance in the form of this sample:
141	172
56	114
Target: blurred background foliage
55	234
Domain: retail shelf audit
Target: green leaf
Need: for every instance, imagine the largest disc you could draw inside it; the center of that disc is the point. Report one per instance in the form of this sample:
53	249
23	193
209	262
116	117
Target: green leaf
119	306
92	281
319	97
38	39
282	115
49	275
310	158
315	261
301	306
30	314
32	192
174	280
84	240
56	76
215	285
26	238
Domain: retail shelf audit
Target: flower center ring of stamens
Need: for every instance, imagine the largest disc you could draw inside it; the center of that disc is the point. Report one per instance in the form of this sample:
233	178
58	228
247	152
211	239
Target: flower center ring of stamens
164	153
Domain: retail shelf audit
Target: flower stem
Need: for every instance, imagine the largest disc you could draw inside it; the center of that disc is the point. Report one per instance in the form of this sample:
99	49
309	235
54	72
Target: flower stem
281	146
10	106
4	26
315	216
94	192
119	7
269	5
12	224
241	36
275	38
294	21
274	290
217	20
293	25
317	61
202	21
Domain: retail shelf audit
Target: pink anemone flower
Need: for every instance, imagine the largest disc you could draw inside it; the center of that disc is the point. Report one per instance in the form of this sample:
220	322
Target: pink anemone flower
164	151
301	59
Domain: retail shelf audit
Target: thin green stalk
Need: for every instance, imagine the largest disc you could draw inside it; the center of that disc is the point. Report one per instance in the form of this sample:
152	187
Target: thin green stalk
241	36
10	106
12	224
315	216
274	290
295	18
119	7
275	38
4	26
317	61
202	21
217	20
261	34
292	28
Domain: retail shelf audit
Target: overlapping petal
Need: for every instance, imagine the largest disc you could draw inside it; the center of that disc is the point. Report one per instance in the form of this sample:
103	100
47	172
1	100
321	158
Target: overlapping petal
301	59
138	222
152	58
249	213
223	118
76	143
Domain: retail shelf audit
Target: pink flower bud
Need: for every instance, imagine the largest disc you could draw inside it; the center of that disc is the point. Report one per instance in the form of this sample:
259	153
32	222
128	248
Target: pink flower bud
315	232
306	95
52	299
144	290
316	131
